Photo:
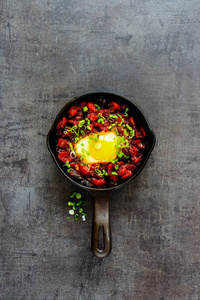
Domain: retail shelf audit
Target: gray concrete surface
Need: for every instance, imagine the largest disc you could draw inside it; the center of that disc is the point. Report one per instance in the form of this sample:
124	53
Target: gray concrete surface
52	51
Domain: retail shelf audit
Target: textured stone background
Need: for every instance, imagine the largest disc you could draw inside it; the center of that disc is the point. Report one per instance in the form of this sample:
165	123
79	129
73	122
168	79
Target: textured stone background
52	51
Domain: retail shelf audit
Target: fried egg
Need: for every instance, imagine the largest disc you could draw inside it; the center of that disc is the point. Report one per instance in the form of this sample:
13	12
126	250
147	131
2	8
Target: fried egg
97	148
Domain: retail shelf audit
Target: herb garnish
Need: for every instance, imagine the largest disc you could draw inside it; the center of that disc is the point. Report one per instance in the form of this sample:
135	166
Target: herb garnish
126	112
85	108
97	107
76	208
114	173
99	172
101	118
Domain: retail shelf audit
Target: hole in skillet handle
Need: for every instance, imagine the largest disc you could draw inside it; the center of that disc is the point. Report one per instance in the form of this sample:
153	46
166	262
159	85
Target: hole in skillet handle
101	205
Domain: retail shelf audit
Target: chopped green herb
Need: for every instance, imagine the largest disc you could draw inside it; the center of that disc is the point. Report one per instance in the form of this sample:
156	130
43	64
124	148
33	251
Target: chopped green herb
126	112
99	172
94	137
116	167
85	108
76	217
119	116
125	132
113	161
120	154
73	195
126	156
76	207
121	142
78	196
111	118
82	132
91	143
112	125
67	164
117	133
88	121
80	124
73	129
100	120
129	127
121	122
66	129
97	106
76	139
114	173
85	152
71	146
126	144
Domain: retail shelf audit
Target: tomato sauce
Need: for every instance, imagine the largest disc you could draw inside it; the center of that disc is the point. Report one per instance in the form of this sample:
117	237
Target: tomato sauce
90	119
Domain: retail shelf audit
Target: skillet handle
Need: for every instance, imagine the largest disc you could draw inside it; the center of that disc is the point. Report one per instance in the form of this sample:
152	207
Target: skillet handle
101	224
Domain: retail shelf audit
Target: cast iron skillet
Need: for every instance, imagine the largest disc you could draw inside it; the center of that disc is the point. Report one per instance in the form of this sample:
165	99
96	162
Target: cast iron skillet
101	219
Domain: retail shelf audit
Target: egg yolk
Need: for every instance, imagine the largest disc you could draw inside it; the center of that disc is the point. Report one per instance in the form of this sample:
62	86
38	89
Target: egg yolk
101	149
104	150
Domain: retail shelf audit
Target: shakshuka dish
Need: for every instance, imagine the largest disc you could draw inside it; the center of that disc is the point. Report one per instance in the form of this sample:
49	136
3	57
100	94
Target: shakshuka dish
100	143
